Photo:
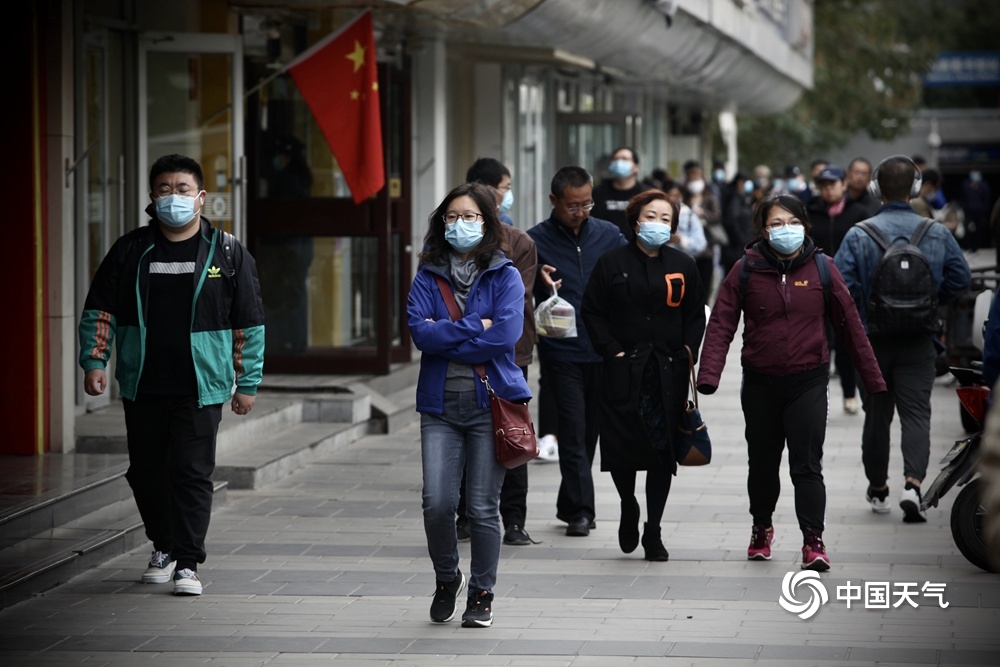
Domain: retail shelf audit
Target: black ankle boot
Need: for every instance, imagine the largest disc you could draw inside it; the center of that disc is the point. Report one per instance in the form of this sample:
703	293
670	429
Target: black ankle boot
628	525
652	544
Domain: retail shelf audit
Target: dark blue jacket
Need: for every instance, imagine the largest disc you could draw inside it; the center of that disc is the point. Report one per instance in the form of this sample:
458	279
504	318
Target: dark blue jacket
498	295
991	345
574	257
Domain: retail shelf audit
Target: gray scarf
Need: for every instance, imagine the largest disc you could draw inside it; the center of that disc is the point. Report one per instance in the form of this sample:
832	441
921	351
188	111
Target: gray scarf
463	274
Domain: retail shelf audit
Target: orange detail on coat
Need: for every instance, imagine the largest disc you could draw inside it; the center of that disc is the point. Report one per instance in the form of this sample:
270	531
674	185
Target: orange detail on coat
675	289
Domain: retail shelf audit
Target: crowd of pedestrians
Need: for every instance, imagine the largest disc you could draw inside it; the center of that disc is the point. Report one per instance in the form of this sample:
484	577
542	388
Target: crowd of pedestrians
659	273
641	262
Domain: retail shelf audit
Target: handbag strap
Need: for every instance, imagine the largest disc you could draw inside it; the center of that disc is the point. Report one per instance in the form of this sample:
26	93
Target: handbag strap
694	388
456	315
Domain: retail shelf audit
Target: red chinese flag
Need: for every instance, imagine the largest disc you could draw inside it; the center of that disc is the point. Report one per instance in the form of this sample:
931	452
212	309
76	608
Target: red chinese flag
339	81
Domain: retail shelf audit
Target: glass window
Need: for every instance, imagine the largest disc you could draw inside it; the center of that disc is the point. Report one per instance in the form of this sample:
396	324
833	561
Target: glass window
318	292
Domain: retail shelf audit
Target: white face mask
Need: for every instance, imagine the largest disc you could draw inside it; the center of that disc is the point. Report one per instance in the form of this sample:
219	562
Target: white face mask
696	187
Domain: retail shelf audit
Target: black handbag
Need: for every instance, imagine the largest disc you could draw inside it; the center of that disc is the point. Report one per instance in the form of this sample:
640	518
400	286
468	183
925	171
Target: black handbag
692	444
513	431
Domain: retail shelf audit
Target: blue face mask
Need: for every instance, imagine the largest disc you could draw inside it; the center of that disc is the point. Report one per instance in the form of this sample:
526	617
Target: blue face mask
175	210
787	239
748	187
719	175
463	236
653	234
621	168
508	201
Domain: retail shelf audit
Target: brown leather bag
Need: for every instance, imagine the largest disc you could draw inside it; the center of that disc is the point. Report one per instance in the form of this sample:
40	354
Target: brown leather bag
513	432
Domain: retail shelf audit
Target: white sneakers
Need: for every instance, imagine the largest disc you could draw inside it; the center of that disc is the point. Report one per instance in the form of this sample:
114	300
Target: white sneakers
909	502
852	406
160	570
879	505
548	449
186	582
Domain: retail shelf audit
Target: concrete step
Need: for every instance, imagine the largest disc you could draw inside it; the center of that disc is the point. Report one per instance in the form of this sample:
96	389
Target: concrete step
75	498
53	556
269	459
390	413
103	431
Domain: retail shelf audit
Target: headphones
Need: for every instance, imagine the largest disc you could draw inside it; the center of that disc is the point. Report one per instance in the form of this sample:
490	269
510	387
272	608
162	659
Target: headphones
918	179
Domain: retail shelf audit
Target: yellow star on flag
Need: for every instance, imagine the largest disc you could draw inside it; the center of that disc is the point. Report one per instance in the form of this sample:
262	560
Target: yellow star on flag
374	85
357	56
354	95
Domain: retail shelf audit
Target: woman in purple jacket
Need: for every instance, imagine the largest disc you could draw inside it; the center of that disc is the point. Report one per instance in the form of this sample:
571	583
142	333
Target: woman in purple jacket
462	247
783	296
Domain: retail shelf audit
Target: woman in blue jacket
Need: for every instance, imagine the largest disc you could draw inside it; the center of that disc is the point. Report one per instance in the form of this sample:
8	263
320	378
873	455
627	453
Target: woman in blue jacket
463	247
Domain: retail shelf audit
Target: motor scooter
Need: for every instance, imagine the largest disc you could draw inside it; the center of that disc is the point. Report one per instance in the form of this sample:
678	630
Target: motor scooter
961	469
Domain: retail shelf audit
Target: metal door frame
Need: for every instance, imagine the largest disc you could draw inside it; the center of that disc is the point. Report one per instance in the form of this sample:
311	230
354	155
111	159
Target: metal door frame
173	42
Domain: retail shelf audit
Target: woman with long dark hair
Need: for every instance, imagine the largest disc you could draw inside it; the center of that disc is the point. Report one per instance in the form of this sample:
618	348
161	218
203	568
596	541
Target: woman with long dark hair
462	260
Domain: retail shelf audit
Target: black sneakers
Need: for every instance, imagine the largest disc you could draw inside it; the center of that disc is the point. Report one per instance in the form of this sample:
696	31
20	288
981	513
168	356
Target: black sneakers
479	610
517	536
446	598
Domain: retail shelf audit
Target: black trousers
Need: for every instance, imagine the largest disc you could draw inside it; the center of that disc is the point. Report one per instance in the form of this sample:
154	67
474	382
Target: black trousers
842	362
513	493
788	410
907	364
576	390
171	451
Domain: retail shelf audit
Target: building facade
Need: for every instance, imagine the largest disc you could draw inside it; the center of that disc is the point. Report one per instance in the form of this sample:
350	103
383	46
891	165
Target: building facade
539	84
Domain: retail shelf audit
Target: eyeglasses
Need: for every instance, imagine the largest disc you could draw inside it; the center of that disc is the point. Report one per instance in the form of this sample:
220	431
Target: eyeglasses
778	224
182	189
468	216
578	208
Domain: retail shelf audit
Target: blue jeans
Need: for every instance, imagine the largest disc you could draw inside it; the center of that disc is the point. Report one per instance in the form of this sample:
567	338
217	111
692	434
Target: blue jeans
461	438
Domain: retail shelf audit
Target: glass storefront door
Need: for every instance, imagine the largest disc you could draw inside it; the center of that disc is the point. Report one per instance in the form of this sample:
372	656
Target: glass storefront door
334	274
589	139
188	84
99	168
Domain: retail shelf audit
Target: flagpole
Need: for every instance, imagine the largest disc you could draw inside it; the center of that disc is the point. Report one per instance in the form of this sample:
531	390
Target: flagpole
305	55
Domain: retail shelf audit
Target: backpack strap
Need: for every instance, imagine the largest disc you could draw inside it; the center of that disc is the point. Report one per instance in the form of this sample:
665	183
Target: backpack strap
227	240
875	233
744	278
822	266
921	230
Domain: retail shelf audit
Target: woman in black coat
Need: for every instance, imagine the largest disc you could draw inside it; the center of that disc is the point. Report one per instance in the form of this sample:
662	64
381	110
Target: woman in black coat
643	304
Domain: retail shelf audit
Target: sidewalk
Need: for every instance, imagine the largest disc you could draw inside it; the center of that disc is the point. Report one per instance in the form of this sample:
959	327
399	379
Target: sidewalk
330	564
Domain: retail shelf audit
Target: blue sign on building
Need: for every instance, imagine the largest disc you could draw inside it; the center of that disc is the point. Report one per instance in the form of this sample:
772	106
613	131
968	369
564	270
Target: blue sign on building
965	68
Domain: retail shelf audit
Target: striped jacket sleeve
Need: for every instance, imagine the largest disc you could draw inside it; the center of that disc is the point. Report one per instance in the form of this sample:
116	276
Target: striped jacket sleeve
247	319
98	321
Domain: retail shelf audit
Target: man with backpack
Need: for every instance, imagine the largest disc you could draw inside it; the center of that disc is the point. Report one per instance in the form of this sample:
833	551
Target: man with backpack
897	291
180	300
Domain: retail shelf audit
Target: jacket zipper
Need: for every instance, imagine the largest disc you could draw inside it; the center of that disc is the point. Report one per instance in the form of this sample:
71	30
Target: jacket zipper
579	250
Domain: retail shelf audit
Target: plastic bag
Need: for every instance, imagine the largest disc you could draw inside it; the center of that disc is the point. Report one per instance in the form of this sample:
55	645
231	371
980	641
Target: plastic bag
555	317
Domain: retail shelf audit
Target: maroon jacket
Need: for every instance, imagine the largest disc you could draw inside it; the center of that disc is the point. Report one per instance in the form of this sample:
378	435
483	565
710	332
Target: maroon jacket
784	330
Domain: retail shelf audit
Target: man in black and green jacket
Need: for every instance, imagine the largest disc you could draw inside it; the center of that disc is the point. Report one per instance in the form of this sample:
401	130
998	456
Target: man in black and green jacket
183	299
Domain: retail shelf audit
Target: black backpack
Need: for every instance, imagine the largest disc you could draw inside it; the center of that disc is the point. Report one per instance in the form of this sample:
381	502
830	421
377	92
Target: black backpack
903	299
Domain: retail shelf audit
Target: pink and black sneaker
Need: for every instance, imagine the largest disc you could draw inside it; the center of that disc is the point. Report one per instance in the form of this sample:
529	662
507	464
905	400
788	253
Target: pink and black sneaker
814	554
760	542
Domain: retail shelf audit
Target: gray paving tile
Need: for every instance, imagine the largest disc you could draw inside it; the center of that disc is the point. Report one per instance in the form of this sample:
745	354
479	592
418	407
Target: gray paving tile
637	649
277	644
908	656
713	650
960	657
